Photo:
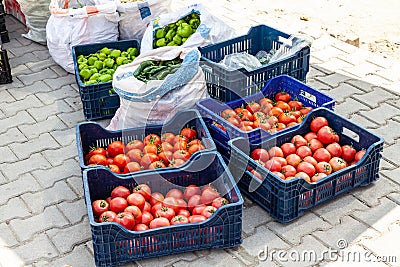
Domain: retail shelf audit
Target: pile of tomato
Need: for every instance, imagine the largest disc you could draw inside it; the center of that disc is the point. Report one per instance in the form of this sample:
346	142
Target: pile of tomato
311	157
141	209
153	152
269	114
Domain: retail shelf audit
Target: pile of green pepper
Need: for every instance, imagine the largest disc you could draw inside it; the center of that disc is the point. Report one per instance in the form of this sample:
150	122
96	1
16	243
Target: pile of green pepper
175	34
99	67
156	70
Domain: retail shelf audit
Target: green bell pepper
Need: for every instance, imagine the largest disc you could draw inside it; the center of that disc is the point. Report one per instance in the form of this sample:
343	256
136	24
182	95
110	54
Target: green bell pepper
177	40
119	60
109	62
91	82
95	77
115	53
98	64
105	50
125	54
91	60
161	42
170	35
85	74
194	23
133	51
82	60
185	30
83	66
160	33
93	71
105	78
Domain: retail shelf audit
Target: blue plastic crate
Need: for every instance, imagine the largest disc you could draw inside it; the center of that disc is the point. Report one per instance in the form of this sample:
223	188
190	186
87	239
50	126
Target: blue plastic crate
288	200
97	101
227	85
211	109
114	245
92	134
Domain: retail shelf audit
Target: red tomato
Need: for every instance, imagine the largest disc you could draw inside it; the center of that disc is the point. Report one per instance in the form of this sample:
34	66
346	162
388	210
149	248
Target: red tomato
253	107
273	165
280	175
256	174
228	113
99	206
321	154
265	101
297	114
317	123
98	159
191	190
175	193
147	207
115	148
293	159
303	175
136	199
348	153
334	149
107	216
208	186
114	168
358	156
147	217
194	148
306	167
118	204
155	208
275	111
311	160
152	139
181	203
287	118
165	157
260	116
97	150
183	212
197	218
288	171
168	137
110	161
156	165
159	222
181	154
280	126
208	195
135	154
234	121
323	167
299	141
150	148
140	227
179	138
337	163
262	124
171	202
260	154
305	110
108	200
120	191
275	152
198	209
194	142
282	96
219	202
245	115
281	160
317	177
134	144
121	160
180	145
326	135
303	151
208	211
194	201
147	159
310	135
155	198
176	162
315	144
132	167
283	106
179	219
288	148
189	133
295	105
144	190
136	212
165	212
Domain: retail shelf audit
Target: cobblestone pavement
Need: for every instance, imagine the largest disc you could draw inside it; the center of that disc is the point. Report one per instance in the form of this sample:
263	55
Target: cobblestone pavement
43	218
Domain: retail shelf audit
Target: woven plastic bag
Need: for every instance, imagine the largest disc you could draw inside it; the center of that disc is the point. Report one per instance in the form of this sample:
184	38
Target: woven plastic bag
70	25
157	101
135	16
211	30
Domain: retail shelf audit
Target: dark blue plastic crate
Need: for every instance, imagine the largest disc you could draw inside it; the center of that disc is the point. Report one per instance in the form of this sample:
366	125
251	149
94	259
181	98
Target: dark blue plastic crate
227	85
288	200
211	109
114	245
92	134
98	102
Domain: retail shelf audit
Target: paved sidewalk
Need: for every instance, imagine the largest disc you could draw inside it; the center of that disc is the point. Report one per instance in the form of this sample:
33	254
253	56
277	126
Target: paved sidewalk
43	220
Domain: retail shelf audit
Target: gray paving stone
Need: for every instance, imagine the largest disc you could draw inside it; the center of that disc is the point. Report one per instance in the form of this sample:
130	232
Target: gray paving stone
333	80
343	91
350	230
389	132
318	85
261	241
376	80
13	170
381	113
9	155
390	73
292	232
64	137
42	55
256	216
14	208
75	102
360	84
67	152
78	257
394	197
20	69
5	97
391	153
361	120
334	210
11	136
393	87
49	125
49	218
392	174
41	65
11	258
24	150
3	179
385	165
67	169
357	56
328	53
371	193
21	117
62	93
72	118
42	113
10	109
362	69
21	93
313	72
217	257
20	60
59	70
28	79
349	107
37	201
19	51
76	183
73	211
335	64
61	81
7	237
381	216
29	251
167	260
374	98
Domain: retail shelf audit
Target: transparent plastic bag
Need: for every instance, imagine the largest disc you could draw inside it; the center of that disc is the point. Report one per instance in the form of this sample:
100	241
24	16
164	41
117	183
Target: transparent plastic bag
237	61
293	44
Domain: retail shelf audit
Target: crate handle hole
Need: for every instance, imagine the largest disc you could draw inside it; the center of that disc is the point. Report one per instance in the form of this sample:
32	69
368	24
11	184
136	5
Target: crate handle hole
351	134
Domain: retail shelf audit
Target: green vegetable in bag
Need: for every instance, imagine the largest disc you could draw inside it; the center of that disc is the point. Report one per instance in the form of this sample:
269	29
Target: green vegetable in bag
160	33
177	39
161	42
133	51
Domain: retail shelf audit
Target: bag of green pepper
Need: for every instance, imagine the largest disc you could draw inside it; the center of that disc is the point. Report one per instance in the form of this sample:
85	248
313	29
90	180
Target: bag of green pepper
192	26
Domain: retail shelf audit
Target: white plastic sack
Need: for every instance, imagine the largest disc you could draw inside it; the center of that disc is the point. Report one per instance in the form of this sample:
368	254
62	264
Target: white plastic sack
36	15
136	16
96	22
211	30
157	101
